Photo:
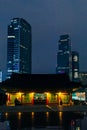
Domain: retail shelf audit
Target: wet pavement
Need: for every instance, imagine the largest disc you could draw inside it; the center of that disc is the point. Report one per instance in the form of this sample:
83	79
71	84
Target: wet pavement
42	108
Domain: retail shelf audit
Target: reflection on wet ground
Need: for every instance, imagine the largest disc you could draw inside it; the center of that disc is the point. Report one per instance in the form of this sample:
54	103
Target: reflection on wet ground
45	120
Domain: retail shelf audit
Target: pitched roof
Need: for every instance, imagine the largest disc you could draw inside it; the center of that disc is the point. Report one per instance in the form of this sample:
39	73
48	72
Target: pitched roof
37	81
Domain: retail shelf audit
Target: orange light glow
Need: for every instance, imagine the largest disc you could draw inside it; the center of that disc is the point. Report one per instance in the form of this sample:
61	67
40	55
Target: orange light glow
19	94
32	115
47	114
59	93
6	114
60	115
19	115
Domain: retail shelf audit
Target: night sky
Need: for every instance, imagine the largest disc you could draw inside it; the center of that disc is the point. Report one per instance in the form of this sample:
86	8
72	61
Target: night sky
49	19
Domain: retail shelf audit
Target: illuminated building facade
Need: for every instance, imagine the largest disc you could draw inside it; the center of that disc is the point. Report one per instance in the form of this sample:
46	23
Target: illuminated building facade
64	60
27	97
75	66
38	88
19	47
79	95
83	77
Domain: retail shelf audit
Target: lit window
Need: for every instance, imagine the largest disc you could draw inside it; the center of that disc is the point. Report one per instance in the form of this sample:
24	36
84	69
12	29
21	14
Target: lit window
75	58
10	26
10	62
76	75
9	70
75	69
16	28
15	21
11	36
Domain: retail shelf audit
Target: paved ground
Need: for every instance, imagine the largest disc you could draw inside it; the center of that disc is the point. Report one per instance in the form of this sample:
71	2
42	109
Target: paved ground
44	128
42	108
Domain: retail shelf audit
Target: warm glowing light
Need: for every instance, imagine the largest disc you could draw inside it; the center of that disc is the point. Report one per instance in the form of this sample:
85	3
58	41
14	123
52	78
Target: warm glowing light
32	115
60	115
7	93
59	93
19	115
19	94
47	93
6	114
47	114
32	93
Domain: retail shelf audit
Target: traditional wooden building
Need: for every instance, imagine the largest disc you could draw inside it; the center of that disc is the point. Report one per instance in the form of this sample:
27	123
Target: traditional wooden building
38	88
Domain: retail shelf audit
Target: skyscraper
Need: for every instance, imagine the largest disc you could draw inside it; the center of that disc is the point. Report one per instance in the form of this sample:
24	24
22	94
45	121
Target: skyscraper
0	76
64	59
19	47
75	66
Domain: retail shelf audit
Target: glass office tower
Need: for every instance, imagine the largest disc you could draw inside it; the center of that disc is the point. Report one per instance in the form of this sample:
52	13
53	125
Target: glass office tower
19	47
64	57
75	66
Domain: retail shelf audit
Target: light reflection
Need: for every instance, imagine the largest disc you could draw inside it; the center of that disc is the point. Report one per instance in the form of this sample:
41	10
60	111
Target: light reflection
75	124
47	116
32	115
19	115
60	116
78	128
6	115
